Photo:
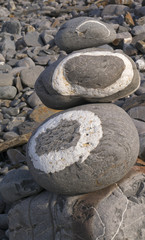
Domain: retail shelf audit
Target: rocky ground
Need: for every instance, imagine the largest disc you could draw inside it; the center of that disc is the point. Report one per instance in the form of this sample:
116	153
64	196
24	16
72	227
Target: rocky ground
27	30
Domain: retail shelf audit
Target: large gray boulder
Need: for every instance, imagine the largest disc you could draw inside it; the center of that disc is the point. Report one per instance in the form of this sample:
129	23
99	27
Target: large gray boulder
114	213
83	149
84	32
89	75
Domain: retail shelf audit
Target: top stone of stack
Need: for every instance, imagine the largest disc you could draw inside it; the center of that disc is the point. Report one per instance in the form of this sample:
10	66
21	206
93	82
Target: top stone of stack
84	32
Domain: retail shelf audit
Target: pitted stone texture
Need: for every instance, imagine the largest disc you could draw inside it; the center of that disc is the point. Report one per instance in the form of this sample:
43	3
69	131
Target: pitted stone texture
89	75
114	213
68	131
84	32
105	151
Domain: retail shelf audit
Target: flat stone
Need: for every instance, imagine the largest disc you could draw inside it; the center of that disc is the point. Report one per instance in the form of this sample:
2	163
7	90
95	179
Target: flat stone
116	10
41	113
5	68
8	92
7	43
88	75
65	152
129	49
4	12
17	141
13	27
18	184
41	60
140	125
83	32
137	112
32	39
33	100
10	135
133	102
29	76
6	79
117	212
26	62
138	30
15	156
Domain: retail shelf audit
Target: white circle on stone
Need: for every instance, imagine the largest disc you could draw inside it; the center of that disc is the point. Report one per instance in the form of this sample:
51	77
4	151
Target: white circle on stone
96	22
63	87
90	131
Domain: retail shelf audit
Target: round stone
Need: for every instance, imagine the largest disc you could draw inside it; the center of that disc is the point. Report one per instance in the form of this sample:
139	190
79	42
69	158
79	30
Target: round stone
90	75
83	149
84	32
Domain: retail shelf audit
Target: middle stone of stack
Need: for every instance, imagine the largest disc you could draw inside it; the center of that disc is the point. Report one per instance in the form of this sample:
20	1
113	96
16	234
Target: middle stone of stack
89	75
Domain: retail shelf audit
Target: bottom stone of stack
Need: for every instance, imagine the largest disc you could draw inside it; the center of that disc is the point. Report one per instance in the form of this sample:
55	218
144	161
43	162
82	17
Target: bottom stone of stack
114	213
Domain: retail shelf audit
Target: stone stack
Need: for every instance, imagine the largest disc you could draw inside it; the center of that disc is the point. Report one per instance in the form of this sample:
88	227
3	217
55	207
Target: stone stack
88	147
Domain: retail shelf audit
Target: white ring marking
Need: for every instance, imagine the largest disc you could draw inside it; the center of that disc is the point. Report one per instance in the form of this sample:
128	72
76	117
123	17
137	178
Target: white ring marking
63	87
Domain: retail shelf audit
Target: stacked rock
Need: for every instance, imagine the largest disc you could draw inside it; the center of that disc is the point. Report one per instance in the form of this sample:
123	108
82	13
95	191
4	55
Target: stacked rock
87	147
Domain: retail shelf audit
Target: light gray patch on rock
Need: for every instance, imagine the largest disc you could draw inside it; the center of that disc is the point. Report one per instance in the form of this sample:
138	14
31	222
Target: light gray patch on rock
94	71
64	136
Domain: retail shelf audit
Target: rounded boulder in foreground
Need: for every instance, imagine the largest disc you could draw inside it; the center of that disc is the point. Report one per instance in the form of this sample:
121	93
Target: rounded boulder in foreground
84	32
89	75
83	149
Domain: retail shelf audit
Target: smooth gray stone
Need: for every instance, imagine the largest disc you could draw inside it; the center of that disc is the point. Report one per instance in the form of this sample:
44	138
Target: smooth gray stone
117	213
29	76
87	75
83	32
8	92
5	68
47	38
114	9
73	169
140	125
137	112
140	91
138	30
13	27
15	156
4	12
33	100
6	79
32	39
140	11
7	44
25	62
10	135
41	60
17	184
